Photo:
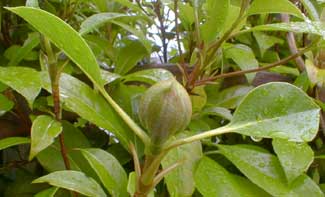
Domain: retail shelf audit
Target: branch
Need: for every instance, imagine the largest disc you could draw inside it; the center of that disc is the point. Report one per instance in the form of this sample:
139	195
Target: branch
242	72
292	44
157	7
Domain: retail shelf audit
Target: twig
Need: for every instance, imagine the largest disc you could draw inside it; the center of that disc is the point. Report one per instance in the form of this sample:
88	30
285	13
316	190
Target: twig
182	62
135	160
292	44
242	72
163	173
55	80
157	7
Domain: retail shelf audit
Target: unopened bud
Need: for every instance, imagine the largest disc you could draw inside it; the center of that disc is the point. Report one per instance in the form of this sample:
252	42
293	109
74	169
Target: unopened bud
165	109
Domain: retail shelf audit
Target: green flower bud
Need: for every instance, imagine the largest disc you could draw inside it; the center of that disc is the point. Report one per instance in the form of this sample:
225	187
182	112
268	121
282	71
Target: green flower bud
165	109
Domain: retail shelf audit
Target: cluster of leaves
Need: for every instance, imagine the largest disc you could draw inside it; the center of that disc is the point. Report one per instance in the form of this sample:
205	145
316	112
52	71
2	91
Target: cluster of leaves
72	73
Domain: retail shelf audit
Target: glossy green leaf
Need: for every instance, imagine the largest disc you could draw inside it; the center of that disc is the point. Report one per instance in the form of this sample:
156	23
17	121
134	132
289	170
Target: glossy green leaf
294	158
90	105
217	111
302	81
141	36
265	41
5	104
311	9
260	167
128	57
101	5
312	27
198	98
180	181
216	14
265	170
47	193
186	15
44	130
269	6
109	77
25	81
108	169
305	186
64	37
13	141
31	42
244	57
132	185
51	158
213	180
128	97
231	97
150	76
73	180
277	110
98	20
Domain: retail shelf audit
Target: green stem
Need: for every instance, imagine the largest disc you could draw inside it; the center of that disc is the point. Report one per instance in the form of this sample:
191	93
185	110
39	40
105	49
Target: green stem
210	133
147	180
136	129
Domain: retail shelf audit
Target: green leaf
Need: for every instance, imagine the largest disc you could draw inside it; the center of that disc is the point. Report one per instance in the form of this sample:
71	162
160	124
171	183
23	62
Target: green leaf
108	169
305	186
265	41
5	104
180	181
150	76
64	37
25	81
44	130
294	158
47	193
311	27
51	158
260	167
128	4
128	56
216	14
186	15
277	110
101	5
3	87
231	97
198	98
311	9
73	180
217	111
244	57
98	20
302	81
132	185
128	97
90	105
269	6
316	75
31	42
109	77
213	180
142	37
13	141
264	169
